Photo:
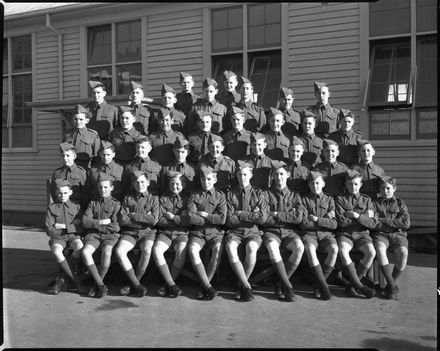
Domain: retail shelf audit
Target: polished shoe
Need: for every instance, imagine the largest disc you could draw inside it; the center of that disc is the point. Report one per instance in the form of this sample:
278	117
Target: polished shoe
317	293
162	291
367	292
290	294
279	293
125	290
351	291
211	293
102	291
391	292
326	294
91	292
248	295
238	293
140	291
368	282
175	291
201	293
56	288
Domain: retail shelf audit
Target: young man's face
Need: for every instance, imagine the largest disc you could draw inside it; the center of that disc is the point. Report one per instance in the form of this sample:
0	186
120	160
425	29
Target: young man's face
280	178
308	125
330	153
216	148
276	122
286	102
205	123
180	154
165	123
258	146
107	156
296	151
187	84
69	157
105	188
143	149
244	177
137	95
322	95
347	123
237	121
80	120
176	185
168	100
353	185
210	92
366	153
247	91
231	83
127	119
316	185
387	190
141	184
99	94
64	193
208	181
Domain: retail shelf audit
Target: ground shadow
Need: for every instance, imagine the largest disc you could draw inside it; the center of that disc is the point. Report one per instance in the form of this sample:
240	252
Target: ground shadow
388	344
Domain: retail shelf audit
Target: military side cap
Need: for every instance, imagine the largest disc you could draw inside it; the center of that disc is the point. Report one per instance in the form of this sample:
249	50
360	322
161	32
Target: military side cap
209	81
318	85
62	182
244	80
307	114
274	112
296	141
135	85
95	84
205	170
328	142
278	164
388	180
237	110
136	174
66	146
184	75
81	109
244	164
362	142
167	89
106	145
229	74
214	138
124	109
351	174
257	136
285	92
345	113
313	175
102	177
163	112
181	143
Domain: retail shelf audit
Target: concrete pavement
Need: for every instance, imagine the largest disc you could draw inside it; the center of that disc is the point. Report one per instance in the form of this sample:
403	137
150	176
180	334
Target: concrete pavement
34	319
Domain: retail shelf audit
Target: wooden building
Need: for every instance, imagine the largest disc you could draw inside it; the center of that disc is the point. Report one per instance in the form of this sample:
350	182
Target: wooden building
379	59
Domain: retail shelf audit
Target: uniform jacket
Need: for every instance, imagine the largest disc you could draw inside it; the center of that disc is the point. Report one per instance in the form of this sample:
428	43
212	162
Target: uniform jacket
86	142
214	203
162	143
217	110
299	170
114	171
104	118
177	205
125	143
371	174
185	168
103	208
333	175
225	168
318	205
347	141
254	115
68	213
198	145
277	146
185	101
76	175
237	143
393	215
261	172
313	146
327	118
147	165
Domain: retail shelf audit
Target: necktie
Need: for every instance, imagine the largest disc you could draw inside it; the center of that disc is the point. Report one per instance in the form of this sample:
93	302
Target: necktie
179	167
368	171
322	110
244	201
280	201
67	173
64	213
75	137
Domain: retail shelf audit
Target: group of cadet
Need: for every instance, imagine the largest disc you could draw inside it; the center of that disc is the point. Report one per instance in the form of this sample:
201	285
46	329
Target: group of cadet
217	172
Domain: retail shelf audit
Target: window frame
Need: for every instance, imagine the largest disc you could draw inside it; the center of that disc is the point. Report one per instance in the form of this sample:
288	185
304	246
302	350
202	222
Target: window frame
9	75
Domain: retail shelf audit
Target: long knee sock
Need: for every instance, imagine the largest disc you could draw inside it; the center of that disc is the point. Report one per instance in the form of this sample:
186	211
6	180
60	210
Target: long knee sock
281	271
103	271
130	274
165	272
351	273
201	273
66	268
396	273
317	272
387	269
238	269
248	268
327	270
94	272
291	268
361	270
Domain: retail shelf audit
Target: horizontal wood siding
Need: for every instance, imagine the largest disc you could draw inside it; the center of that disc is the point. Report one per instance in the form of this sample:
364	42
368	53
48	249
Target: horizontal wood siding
71	63
323	45
174	44
416	171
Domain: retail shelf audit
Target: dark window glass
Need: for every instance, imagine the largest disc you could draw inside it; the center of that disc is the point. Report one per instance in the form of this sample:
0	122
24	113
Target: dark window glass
427	123
392	124
21	115
390	17
21	54
5	56
128	41
223	63
104	75
99	45
426	15
5	132
264	25
227	29
125	74
426	91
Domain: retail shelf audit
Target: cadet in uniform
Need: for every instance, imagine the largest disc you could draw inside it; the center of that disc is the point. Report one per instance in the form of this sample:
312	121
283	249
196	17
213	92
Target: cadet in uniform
333	172
101	222
347	138
85	140
141	113
247	209
207	211
186	98
200	139
125	137
207	104
75	175
137	218
230	96
277	143
319	221
327	115
299	170
104	117
173	230
371	172
237	140
292	117
313	144
355	214
280	230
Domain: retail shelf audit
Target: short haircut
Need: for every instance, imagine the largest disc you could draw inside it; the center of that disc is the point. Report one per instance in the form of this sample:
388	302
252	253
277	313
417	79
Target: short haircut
178	175
389	180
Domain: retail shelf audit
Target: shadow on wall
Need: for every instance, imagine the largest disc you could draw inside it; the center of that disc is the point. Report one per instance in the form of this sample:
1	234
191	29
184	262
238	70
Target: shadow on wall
388	344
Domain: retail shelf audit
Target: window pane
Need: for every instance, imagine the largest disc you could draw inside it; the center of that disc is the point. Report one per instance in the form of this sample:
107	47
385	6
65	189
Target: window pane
426	11
256	15
235	17
390	124
426	71
5	56
5	101
99	45
22	92
5	137
256	36
128	41
235	38
273	34
272	13
220	64
104	75
125	74
21	53
399	123
380	124
22	136
264	25
427	124
219	19
390	17
219	40
227	29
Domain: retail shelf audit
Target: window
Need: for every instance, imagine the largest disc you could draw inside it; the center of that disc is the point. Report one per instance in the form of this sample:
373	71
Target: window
402	87
17	126
117	55
258	58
